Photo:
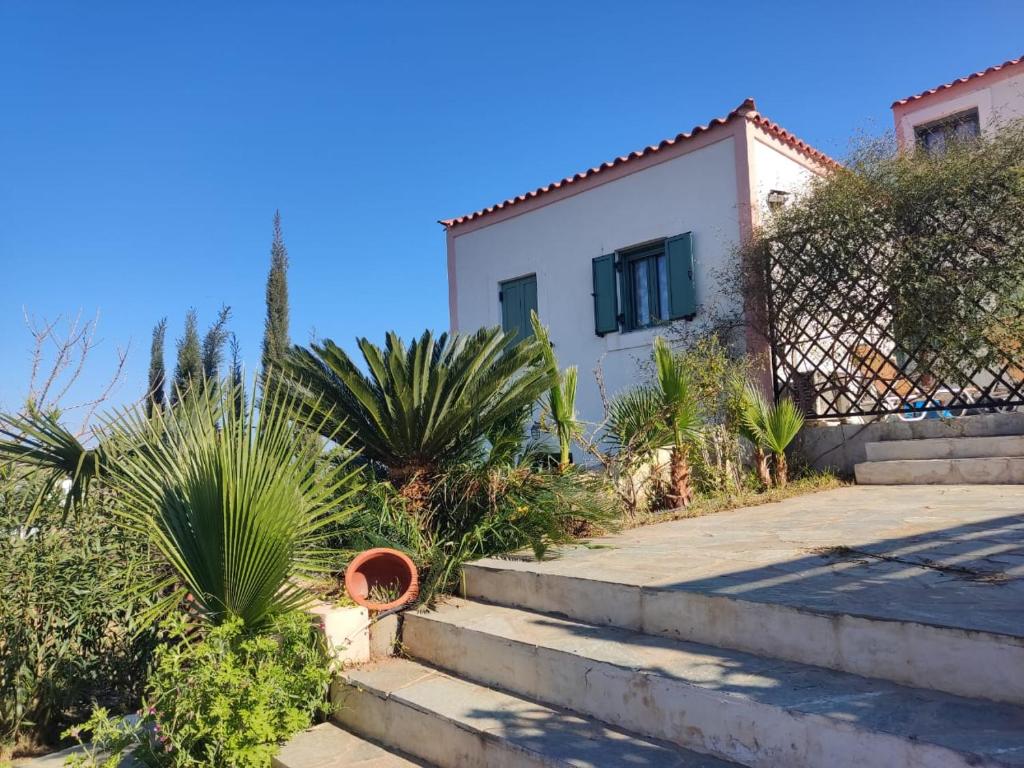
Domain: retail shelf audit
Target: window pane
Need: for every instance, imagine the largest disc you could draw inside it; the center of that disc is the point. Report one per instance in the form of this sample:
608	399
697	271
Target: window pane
662	265
641	293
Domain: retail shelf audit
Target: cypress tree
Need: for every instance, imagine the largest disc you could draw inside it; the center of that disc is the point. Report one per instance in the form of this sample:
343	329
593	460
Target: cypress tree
275	333
213	344
157	371
189	369
237	377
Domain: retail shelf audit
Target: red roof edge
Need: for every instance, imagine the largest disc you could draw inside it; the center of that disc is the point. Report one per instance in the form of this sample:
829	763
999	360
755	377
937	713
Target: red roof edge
747	109
958	81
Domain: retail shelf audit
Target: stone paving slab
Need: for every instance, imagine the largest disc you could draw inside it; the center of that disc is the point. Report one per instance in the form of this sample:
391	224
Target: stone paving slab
950	556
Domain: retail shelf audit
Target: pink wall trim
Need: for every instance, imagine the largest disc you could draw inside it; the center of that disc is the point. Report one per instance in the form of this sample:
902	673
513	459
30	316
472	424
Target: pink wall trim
749	220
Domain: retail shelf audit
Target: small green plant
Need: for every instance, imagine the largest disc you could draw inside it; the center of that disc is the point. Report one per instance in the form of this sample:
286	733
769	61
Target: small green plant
752	416
385	593
682	415
771	428
228	699
560	402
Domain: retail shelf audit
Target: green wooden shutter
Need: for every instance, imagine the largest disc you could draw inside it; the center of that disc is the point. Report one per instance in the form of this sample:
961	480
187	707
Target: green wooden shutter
511	306
518	298
682	295
606	306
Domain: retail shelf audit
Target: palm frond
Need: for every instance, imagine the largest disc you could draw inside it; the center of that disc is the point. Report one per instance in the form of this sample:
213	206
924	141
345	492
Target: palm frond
678	394
417	406
636	423
40	443
560	403
770	426
241	505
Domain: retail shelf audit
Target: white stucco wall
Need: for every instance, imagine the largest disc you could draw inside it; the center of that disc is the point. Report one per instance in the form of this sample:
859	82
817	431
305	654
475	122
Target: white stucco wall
693	192
776	170
997	97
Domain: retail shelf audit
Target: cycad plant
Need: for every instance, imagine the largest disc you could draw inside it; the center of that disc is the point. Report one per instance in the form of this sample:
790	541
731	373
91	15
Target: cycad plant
560	401
771	427
681	414
238	503
421	407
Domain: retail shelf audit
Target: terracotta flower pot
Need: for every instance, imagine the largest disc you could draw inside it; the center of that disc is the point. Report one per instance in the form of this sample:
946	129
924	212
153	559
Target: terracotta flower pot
382	568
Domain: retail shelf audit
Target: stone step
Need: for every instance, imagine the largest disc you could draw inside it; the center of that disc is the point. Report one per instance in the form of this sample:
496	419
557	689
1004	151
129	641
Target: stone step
946	448
329	746
754	711
454	723
811	626
991	470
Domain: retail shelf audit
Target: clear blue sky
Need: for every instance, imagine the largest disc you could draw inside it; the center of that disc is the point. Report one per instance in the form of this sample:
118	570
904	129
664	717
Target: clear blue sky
145	146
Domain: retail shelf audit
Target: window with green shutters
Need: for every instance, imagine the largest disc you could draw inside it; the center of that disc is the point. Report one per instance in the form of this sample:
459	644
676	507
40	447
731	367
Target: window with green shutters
645	286
518	298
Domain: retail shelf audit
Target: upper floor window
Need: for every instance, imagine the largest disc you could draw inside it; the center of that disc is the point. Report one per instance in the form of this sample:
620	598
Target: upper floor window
646	287
936	136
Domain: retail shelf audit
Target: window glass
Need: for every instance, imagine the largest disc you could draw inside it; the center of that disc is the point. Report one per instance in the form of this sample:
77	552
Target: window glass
641	294
960	127
647	288
662	265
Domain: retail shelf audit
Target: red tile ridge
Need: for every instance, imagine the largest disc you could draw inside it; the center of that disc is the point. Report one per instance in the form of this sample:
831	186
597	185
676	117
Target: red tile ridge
958	81
747	109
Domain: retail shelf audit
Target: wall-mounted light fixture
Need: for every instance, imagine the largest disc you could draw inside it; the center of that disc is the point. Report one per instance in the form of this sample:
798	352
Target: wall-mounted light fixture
777	200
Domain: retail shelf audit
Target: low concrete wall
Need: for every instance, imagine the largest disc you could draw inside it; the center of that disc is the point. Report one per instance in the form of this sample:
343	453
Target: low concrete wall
838	448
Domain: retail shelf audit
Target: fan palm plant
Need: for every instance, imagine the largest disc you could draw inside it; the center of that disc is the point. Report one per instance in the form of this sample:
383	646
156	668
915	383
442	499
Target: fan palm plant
419	407
560	402
773	428
682	416
239	504
635	425
753	408
38	441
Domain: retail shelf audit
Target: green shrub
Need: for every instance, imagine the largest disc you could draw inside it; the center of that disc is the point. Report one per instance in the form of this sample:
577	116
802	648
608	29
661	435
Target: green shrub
228	699
504	500
69	632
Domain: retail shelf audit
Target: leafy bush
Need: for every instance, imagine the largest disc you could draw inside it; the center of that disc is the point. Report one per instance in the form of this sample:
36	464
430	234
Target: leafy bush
719	378
229	699
69	628
920	254
481	508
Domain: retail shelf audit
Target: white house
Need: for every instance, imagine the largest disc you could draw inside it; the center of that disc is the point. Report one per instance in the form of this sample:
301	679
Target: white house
963	108
610	255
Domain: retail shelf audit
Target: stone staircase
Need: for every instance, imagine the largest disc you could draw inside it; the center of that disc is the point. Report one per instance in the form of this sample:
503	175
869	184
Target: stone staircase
537	669
944	461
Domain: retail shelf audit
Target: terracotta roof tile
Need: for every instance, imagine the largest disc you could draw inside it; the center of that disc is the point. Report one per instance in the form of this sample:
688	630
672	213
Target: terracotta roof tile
958	81
746	110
